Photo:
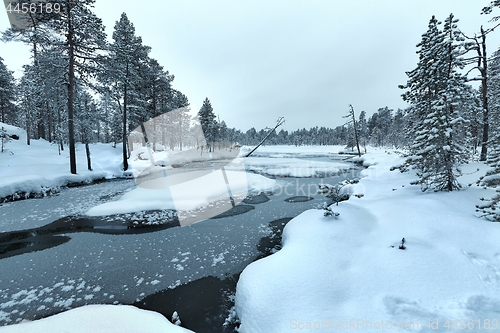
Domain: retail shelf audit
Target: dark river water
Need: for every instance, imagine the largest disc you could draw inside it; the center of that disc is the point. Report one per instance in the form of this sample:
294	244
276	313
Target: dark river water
53	258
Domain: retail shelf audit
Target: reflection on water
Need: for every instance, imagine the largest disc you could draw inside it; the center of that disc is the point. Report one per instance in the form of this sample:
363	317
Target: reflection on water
37	239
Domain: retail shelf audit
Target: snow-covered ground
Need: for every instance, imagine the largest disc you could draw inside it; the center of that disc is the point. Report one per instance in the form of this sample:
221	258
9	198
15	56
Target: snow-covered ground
38	168
348	273
99	319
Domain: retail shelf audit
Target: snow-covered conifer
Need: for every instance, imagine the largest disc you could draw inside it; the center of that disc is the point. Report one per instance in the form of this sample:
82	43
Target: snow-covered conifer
7	95
208	123
122	74
439	97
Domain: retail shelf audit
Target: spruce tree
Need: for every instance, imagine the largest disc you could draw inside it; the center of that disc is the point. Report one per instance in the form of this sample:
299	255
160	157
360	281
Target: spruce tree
439	97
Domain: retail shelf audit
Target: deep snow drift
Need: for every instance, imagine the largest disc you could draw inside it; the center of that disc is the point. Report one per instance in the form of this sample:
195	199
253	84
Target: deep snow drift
348	273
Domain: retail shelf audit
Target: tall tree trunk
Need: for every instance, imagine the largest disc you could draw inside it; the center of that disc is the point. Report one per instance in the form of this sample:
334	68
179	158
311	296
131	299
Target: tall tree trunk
71	86
355	130
49	122
28	129
124	137
3	110
484	93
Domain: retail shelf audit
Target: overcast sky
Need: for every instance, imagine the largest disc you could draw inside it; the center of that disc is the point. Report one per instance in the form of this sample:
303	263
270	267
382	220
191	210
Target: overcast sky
305	60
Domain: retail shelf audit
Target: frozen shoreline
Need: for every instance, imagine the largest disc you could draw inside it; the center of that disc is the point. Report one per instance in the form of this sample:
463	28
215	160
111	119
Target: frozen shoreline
332	271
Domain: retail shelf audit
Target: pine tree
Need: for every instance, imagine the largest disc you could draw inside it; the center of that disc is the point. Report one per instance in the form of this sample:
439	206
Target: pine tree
397	131
122	72
78	33
86	111
30	91
384	124
494	94
439	96
182	118
7	95
206	117
363	129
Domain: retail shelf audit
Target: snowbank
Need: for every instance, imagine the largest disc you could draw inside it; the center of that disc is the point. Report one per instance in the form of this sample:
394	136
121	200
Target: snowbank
99	319
38	168
349	274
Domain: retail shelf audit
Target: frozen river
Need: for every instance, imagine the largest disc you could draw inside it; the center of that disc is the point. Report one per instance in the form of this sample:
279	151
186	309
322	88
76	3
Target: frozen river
86	266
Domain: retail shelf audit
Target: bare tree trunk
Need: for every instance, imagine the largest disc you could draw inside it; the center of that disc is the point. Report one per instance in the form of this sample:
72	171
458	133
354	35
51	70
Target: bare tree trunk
71	86
280	121
28	129
482	67
3	111
87	151
124	138
484	94
355	129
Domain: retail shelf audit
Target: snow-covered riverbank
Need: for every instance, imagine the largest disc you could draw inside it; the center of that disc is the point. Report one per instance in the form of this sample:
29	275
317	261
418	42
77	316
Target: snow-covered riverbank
348	273
39	169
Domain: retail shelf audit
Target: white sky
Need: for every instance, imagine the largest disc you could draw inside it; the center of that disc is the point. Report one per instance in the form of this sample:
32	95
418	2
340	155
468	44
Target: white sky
304	60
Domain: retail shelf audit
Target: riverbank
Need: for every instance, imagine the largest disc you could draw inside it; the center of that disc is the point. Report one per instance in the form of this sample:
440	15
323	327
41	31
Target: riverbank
333	273
39	169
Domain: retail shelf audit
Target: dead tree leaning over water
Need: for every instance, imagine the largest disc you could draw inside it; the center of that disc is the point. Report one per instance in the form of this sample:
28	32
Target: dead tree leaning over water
280	122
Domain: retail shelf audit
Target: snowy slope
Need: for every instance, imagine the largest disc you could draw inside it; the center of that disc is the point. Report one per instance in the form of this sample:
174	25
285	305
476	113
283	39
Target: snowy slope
345	274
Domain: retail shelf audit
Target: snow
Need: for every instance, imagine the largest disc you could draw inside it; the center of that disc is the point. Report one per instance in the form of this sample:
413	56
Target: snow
195	193
38	168
99	319
348	272
287	161
292	167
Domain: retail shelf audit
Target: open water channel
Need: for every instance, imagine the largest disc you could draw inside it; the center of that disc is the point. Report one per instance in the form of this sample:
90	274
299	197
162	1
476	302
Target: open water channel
53	258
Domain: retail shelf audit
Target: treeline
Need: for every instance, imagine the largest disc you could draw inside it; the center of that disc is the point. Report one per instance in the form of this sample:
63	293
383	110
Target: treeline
383	128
